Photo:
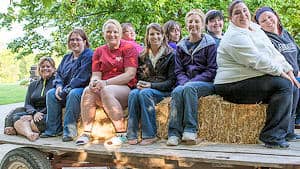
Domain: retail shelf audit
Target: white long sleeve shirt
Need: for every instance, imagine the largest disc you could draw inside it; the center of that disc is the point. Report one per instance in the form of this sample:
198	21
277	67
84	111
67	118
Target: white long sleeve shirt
245	53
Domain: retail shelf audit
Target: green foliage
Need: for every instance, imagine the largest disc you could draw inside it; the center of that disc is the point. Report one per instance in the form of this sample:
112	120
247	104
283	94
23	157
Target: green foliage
12	69
63	15
12	93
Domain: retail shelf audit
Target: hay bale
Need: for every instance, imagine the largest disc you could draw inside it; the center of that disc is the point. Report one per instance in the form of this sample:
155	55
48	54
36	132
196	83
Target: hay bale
162	117
222	121
219	121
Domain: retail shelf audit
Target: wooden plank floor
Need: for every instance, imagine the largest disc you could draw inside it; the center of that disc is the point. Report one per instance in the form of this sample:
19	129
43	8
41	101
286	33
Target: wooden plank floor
213	153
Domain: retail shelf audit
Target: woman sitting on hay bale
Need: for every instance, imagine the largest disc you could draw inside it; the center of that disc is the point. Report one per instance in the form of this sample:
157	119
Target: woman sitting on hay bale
30	120
195	69
156	80
270	22
251	70
72	76
114	67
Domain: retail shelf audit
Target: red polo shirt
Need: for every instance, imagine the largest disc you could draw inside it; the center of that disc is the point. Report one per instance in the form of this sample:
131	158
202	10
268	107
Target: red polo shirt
112	63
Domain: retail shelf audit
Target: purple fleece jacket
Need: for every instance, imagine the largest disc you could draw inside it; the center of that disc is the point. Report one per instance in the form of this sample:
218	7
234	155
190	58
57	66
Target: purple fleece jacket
197	65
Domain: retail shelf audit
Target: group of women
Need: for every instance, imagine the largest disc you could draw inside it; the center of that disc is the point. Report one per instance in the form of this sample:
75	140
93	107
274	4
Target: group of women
246	64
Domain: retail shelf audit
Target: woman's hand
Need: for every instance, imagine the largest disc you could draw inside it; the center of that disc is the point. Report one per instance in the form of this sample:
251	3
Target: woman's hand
294	80
143	84
97	85
285	75
57	91
38	117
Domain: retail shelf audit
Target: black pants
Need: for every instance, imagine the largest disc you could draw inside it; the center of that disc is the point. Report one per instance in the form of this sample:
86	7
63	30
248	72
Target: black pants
276	91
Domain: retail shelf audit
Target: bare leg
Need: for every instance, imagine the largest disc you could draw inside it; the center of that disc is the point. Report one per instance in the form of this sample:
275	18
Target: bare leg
89	102
33	127
114	99
23	127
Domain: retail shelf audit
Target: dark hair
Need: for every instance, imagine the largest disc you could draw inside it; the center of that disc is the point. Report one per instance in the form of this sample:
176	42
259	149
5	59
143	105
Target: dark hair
82	34
232	5
212	14
126	25
263	9
168	26
156	27
44	59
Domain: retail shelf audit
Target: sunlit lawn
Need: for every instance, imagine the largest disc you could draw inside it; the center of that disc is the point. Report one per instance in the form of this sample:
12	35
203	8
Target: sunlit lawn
12	93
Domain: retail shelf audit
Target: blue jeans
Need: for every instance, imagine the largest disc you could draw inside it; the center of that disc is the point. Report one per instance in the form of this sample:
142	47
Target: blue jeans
184	107
54	113
293	113
276	91
141	108
297	114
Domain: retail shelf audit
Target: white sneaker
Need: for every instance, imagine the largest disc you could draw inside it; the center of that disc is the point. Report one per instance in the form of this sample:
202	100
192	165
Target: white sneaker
116	140
189	138
173	141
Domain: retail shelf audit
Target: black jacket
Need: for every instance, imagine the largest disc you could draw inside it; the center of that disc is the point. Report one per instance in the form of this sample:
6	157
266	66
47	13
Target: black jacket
162	77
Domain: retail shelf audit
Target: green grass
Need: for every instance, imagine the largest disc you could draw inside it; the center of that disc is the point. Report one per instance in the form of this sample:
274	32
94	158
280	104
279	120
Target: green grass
12	93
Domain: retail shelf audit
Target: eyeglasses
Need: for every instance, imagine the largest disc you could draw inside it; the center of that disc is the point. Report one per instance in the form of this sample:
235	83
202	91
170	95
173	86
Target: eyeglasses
75	40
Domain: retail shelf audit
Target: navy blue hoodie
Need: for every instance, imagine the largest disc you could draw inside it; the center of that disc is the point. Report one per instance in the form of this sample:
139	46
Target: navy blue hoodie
74	73
287	46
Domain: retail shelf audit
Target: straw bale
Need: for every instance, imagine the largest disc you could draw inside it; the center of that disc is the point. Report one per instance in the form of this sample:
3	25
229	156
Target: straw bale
218	121
222	121
162	117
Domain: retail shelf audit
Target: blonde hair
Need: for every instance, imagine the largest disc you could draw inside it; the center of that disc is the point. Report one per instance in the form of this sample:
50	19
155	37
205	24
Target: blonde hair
115	22
196	12
44	59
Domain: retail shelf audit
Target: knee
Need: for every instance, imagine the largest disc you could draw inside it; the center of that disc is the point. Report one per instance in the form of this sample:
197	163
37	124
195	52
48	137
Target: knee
51	94
76	92
87	93
105	92
86	90
133	94
145	93
188	89
177	92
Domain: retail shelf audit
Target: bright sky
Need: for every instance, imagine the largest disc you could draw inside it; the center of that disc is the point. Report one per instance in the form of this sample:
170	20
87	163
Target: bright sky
5	35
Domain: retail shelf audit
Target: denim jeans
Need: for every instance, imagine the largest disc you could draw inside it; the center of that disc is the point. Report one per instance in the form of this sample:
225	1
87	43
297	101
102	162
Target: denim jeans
274	90
184	107
71	115
297	113
293	113
141	108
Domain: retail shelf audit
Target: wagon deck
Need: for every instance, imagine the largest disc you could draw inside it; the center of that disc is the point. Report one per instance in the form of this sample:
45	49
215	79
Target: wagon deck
204	155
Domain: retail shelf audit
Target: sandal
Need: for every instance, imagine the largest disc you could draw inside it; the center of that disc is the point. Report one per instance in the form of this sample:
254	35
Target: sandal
133	142
148	141
83	139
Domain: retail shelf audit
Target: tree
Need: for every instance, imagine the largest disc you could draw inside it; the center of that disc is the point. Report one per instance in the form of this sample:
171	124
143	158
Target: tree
12	69
63	15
